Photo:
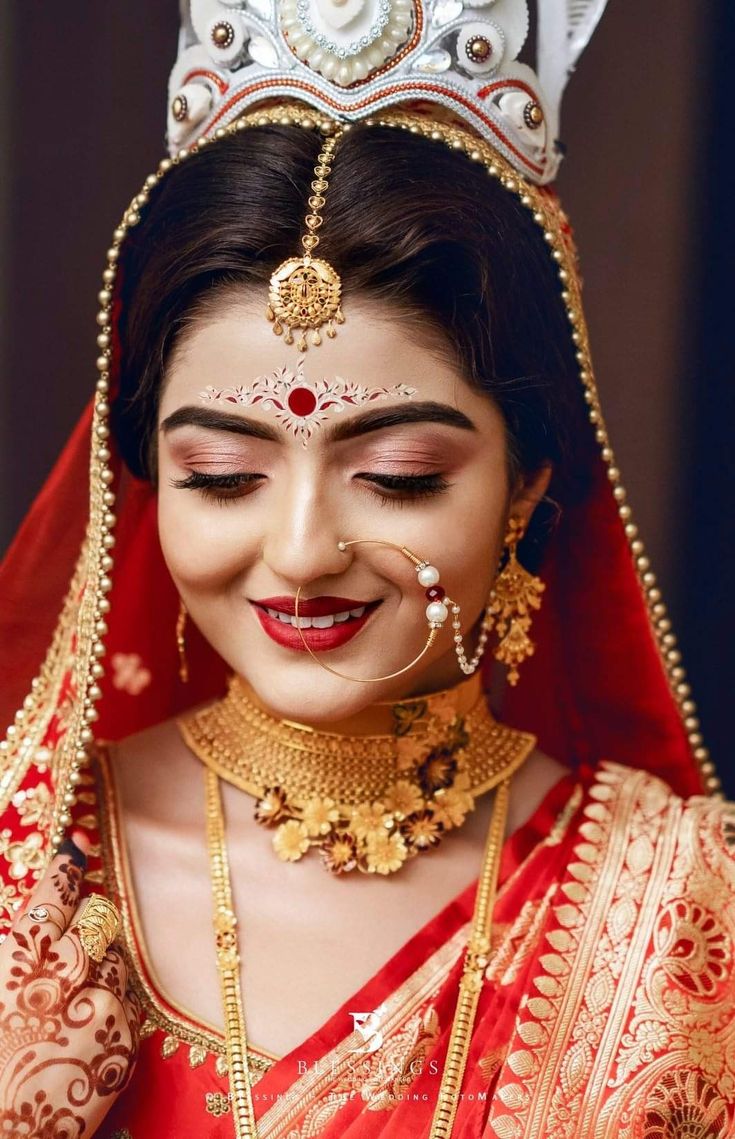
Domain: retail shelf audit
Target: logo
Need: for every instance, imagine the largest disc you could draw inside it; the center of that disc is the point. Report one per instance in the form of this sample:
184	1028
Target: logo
367	1024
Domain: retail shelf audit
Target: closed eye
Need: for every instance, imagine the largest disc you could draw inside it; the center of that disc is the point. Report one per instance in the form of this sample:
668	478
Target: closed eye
405	487
220	488
388	488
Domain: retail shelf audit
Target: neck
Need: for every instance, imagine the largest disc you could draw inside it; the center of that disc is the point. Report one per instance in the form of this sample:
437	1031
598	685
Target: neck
381	717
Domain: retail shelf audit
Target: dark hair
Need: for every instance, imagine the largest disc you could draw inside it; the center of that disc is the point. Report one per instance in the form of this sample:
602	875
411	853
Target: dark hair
408	221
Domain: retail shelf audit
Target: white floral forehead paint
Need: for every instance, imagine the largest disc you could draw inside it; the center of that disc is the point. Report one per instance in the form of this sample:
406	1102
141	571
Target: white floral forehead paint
301	405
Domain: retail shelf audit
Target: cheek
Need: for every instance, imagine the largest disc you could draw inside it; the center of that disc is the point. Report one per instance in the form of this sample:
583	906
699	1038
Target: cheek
465	540
205	545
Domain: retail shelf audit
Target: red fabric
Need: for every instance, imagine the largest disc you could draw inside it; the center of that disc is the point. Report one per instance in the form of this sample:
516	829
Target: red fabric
596	685
36	571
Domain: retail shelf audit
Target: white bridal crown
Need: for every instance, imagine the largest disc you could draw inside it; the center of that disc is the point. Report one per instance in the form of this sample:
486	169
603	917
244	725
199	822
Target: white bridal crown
350	59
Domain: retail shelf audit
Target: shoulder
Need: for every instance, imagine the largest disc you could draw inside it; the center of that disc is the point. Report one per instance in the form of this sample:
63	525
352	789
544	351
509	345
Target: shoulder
666	866
634	807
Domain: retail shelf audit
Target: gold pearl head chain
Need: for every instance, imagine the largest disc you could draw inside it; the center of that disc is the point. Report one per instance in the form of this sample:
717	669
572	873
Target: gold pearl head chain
305	292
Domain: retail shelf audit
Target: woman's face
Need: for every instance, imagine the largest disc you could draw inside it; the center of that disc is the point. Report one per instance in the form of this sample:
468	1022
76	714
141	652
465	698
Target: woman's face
254	500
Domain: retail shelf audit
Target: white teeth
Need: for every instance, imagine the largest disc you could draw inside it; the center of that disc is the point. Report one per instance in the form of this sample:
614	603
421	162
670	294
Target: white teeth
324	622
279	616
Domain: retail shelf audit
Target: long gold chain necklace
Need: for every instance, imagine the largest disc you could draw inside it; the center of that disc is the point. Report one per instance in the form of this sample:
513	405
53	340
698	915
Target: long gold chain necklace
477	950
367	802
228	962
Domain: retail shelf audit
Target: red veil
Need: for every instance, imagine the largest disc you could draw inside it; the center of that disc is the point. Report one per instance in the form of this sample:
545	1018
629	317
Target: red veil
605	681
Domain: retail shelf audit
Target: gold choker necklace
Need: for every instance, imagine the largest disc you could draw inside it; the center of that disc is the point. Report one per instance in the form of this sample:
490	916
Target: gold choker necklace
369	802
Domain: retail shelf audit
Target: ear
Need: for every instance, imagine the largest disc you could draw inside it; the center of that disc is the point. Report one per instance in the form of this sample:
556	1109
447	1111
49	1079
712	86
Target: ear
530	489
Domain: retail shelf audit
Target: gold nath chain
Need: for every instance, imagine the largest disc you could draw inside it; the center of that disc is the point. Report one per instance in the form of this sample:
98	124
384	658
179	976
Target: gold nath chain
228	963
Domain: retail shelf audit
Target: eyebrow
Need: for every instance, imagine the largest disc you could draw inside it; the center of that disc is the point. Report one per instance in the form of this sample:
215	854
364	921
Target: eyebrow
376	419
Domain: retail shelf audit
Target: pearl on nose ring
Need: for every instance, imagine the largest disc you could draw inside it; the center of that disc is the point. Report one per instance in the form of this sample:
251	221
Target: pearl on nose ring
437	612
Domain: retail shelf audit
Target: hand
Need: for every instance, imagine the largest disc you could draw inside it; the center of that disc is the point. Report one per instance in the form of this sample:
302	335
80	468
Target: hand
69	1030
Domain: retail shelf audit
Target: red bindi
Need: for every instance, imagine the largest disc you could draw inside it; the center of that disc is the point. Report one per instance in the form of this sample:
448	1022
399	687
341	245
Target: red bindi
301	401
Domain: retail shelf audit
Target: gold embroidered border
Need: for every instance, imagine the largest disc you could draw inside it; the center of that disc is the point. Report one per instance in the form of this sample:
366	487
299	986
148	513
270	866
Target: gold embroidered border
569	1026
187	1028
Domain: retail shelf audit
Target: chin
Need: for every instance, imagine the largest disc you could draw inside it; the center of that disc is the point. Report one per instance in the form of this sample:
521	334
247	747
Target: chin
312	695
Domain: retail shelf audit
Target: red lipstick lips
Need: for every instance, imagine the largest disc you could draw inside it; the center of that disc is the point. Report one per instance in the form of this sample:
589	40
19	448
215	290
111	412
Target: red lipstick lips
347	615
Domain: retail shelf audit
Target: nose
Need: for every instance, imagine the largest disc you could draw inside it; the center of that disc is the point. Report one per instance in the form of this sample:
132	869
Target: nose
303	531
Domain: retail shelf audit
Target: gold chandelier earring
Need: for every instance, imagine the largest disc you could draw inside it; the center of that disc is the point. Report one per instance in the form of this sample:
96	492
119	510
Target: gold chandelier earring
181	642
515	593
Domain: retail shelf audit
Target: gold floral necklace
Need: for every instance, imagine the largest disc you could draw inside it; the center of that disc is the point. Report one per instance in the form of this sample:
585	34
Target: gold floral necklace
367	801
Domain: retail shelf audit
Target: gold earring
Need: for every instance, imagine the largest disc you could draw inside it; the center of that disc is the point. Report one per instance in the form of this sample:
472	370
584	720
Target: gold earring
516	591
181	642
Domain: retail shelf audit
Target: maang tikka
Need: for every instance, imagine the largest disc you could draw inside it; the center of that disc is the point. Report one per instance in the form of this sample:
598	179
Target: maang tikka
305	291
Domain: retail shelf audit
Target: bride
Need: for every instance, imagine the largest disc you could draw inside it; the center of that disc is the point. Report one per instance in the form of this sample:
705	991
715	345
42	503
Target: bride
360	791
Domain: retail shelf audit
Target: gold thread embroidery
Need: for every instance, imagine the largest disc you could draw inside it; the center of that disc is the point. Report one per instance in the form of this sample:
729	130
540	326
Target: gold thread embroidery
216	1103
629	1031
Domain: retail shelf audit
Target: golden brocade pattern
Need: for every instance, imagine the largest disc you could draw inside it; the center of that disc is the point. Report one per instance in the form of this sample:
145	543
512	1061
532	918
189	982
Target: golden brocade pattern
380	1079
628	1029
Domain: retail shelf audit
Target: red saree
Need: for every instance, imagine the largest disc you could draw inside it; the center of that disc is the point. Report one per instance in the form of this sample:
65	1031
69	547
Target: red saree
607	1006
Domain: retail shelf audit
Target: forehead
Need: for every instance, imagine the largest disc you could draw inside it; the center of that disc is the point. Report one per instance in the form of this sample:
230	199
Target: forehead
373	349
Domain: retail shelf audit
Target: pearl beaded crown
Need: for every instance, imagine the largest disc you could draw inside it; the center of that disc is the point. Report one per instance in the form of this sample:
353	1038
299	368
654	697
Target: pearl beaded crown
351	59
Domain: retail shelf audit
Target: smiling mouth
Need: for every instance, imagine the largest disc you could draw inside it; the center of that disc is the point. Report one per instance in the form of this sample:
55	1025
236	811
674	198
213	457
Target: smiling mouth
320	629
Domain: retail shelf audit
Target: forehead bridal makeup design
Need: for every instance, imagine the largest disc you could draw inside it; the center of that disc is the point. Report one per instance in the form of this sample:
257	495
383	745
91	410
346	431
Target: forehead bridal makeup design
301	405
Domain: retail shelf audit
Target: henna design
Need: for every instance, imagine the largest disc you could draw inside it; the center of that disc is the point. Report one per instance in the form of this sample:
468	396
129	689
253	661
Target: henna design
67	879
69	1033
40	1120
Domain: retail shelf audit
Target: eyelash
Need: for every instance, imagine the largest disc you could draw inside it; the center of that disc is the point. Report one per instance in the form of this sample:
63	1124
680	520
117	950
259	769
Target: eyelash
413	487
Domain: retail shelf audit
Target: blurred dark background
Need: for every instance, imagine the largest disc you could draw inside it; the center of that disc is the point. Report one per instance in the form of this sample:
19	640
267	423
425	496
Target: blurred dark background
647	123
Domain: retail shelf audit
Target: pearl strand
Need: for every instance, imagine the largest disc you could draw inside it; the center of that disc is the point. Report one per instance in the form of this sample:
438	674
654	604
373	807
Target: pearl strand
468	667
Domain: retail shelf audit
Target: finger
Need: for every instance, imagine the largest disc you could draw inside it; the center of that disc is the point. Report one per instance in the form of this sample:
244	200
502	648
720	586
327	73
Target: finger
133	1009
111	971
92	930
56	896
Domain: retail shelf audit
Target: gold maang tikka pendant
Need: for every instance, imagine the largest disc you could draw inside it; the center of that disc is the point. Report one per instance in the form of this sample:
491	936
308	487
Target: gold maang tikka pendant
305	292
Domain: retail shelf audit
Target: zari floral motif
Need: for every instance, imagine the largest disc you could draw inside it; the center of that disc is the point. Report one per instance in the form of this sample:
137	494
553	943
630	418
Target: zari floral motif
685	1104
627	1029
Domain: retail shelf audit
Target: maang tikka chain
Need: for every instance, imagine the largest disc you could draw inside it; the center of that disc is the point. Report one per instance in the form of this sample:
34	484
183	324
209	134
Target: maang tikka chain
305	291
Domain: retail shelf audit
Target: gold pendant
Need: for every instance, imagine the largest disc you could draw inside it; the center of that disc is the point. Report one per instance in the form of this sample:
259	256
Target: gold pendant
305	294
